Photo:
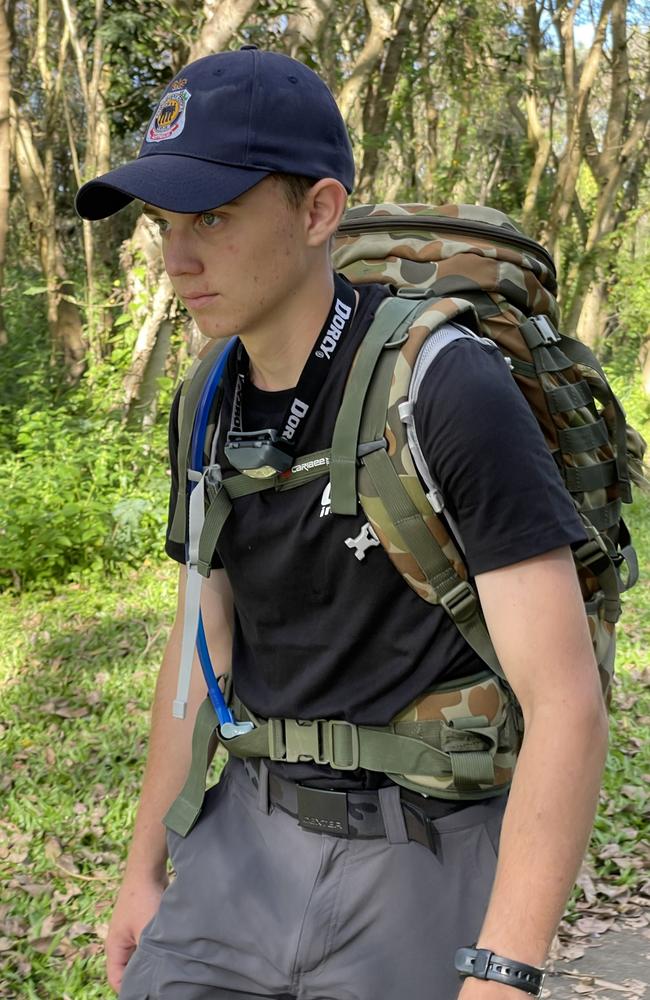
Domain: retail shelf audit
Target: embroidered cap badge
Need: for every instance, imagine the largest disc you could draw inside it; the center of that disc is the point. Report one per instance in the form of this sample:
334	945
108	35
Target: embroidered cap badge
169	119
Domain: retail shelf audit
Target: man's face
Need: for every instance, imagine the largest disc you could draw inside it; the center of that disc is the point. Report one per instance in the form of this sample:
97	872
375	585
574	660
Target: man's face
234	266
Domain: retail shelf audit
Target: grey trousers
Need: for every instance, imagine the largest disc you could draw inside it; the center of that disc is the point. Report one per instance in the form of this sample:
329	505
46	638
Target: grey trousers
262	908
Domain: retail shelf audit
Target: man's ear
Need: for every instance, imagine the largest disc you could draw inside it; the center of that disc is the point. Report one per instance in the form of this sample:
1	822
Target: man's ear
324	205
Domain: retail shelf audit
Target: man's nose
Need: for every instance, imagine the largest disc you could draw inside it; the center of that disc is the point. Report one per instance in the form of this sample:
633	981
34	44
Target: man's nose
180	256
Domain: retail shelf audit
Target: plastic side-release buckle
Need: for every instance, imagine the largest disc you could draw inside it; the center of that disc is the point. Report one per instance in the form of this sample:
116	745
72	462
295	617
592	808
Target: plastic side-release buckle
593	555
538	331
333	742
461	602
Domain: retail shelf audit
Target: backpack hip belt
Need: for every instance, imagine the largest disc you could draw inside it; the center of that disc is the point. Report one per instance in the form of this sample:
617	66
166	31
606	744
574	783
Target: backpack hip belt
458	741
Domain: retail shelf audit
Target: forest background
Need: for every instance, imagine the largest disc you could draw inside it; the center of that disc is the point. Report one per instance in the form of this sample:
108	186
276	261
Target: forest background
540	108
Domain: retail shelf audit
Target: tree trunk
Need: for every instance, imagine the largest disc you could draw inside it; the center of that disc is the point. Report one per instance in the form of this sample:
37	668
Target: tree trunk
381	29
578	87
590	328
223	19
644	358
377	114
306	29
538	137
64	318
5	57
147	338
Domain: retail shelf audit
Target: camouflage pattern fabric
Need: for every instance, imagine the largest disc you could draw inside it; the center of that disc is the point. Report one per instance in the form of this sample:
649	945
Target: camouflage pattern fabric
479	255
482	698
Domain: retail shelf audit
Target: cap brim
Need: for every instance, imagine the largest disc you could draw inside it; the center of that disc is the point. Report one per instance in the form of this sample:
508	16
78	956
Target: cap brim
173	182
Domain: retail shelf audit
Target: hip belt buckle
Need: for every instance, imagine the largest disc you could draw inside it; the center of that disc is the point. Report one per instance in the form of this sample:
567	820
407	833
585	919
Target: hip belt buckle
323	811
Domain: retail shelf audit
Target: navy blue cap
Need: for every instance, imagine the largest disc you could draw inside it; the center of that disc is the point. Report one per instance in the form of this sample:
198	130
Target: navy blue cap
225	123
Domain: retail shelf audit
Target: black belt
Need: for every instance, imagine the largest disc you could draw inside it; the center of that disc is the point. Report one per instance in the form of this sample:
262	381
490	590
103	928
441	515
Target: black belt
350	814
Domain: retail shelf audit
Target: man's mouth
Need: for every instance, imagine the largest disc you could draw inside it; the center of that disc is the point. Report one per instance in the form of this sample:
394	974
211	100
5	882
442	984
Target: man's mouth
198	301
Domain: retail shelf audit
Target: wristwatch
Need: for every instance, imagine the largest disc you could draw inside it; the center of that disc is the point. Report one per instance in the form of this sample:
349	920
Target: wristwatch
481	963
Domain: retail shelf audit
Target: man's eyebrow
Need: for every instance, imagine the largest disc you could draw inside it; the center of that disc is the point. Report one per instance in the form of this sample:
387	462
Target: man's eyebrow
151	211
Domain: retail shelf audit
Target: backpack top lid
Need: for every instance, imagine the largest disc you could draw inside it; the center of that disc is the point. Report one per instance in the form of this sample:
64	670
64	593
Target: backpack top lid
437	248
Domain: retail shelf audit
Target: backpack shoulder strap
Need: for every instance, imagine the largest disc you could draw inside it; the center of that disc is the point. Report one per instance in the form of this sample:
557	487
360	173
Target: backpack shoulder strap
191	390
433	345
415	539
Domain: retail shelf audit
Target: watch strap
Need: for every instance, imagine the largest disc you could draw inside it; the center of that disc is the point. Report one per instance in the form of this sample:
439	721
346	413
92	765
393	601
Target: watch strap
481	963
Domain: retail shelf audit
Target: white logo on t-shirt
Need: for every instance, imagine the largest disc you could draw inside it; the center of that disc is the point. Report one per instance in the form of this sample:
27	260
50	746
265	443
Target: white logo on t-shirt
326	501
366	539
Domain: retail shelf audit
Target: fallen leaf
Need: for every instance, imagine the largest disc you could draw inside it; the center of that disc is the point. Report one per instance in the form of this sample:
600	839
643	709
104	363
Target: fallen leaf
79	929
592	925
53	848
6	944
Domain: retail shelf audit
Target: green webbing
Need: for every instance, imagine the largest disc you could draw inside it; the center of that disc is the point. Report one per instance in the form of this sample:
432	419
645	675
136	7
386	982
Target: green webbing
426	747
215	519
584	478
189	400
594	557
392	315
604	517
580	354
184	811
470	768
587	438
344	746
220	497
456	595
550	359
569	397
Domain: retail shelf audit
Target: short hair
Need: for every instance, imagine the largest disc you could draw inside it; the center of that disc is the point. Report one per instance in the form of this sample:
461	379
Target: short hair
295	187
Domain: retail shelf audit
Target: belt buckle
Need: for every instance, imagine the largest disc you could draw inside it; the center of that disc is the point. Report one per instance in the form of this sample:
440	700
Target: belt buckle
323	811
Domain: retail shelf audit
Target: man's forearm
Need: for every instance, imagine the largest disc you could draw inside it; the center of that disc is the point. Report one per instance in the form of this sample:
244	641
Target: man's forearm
168	763
545	830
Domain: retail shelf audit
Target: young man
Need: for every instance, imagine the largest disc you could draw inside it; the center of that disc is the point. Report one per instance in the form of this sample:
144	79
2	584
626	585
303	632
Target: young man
262	906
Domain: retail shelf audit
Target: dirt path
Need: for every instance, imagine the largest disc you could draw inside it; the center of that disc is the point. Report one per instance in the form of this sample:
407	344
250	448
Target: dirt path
616	968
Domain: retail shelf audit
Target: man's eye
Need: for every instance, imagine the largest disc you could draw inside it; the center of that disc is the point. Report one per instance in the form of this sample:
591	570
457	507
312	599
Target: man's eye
210	220
161	225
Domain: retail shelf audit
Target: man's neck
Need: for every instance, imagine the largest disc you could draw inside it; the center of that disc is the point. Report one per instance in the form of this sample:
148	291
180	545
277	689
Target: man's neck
278	352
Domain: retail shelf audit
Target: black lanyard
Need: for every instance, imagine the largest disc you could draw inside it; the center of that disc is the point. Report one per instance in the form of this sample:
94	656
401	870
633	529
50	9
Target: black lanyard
263	453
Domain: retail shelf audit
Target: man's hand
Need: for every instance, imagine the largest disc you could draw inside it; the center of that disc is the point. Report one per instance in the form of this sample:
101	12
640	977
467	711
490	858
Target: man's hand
137	904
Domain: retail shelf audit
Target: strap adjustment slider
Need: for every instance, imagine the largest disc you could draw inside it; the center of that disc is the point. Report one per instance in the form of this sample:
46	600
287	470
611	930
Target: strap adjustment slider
461	602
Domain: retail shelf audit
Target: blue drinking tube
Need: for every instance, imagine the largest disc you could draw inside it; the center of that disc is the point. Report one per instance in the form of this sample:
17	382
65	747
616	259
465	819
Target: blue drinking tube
227	723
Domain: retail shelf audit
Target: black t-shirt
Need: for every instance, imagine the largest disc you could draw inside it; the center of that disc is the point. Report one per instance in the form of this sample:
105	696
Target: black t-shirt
321	634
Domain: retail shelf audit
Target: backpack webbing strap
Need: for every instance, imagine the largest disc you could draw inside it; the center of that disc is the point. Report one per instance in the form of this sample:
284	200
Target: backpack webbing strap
604	517
217	515
405	748
585	438
189	400
222	492
569	397
580	354
393	317
593	555
584	478
462	751
184	811
457	596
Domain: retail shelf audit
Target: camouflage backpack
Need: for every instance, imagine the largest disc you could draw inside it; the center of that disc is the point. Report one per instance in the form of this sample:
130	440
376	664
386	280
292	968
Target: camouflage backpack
454	263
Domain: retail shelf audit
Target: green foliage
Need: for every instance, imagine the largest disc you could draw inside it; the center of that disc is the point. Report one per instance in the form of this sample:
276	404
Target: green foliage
83	492
83	495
